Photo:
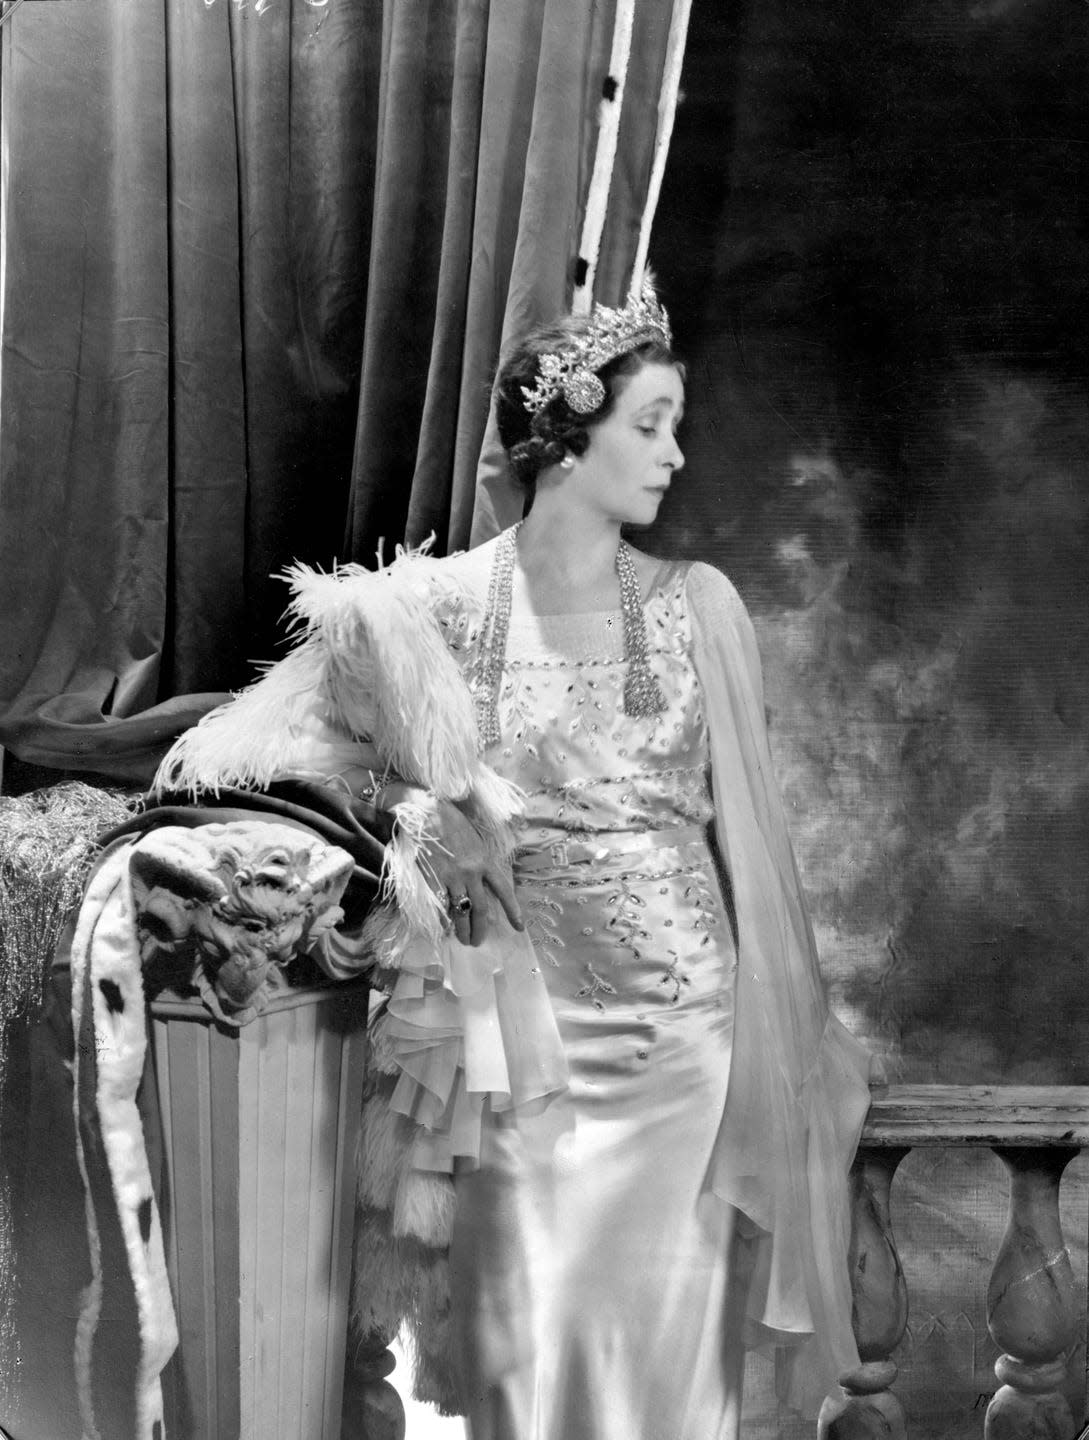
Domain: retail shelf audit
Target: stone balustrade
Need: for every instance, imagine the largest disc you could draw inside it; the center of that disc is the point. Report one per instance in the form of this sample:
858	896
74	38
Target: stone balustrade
1031	1309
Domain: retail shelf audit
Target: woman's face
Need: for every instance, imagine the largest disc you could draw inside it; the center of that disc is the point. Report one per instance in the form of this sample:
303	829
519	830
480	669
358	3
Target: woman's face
633	453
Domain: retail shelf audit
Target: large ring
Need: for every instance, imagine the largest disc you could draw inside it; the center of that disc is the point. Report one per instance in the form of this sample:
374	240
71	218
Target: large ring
461	906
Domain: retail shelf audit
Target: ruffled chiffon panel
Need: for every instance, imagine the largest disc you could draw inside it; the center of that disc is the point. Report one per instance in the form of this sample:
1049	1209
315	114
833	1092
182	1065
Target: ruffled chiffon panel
465	1024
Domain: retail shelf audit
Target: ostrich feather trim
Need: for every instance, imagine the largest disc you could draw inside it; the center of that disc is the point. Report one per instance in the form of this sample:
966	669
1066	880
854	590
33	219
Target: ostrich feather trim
387	672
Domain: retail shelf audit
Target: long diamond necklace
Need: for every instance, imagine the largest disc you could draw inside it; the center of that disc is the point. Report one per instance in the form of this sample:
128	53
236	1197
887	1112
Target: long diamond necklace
643	696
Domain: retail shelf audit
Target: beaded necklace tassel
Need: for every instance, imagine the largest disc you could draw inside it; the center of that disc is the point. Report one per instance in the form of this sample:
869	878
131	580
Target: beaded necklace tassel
643	698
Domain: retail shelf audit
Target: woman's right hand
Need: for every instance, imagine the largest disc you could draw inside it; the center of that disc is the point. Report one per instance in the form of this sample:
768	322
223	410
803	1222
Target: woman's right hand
457	861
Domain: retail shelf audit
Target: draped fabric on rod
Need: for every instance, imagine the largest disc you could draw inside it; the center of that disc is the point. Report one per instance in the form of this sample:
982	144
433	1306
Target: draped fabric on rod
259	271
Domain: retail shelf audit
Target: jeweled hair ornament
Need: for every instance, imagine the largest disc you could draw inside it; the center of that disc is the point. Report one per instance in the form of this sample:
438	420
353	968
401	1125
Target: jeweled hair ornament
611	333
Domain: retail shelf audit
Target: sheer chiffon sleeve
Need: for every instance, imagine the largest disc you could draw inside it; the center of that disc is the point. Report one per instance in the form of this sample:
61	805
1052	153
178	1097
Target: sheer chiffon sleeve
798	1091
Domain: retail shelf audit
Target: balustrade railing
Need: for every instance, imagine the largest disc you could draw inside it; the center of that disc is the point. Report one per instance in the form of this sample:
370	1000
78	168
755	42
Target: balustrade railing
1031	1299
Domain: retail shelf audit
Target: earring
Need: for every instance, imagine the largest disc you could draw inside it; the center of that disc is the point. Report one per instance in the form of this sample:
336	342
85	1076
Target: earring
567	462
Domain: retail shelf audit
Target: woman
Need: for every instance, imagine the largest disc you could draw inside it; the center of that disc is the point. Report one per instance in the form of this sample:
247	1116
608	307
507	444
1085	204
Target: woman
605	1248
618	1243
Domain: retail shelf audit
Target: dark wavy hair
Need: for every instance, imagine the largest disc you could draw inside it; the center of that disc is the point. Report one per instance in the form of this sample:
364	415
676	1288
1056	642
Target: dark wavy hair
533	442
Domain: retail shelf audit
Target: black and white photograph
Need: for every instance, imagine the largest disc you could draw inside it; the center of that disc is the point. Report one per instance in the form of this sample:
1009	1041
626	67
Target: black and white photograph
544	719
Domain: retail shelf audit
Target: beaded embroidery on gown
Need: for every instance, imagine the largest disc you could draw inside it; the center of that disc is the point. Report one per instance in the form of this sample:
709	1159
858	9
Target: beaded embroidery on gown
592	1300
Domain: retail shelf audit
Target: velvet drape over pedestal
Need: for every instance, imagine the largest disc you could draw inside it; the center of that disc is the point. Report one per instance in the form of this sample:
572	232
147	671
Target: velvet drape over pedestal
259	268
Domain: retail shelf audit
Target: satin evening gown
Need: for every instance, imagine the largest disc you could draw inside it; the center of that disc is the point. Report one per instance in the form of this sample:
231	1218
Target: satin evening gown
595	1297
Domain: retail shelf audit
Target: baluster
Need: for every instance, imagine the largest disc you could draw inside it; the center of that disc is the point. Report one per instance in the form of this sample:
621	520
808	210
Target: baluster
1030	1302
867	1408
372	1407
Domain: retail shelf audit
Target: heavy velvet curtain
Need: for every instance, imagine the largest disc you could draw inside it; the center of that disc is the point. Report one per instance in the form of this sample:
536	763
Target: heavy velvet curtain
183	308
259	269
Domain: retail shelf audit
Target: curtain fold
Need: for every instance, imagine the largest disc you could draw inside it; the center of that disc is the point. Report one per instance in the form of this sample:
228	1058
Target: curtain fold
305	94
206	402
83	539
534	276
431	503
190	193
260	270
425	78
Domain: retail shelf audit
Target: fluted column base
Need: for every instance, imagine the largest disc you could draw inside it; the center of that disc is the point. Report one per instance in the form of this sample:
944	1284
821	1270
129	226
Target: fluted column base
260	1129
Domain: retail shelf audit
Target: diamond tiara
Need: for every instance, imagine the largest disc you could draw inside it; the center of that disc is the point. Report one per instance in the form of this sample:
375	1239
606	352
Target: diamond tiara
570	371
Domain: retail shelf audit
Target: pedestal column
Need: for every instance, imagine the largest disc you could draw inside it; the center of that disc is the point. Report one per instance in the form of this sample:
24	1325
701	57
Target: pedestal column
259	1133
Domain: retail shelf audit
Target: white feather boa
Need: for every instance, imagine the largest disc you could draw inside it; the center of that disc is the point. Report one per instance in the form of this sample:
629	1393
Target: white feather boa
370	683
